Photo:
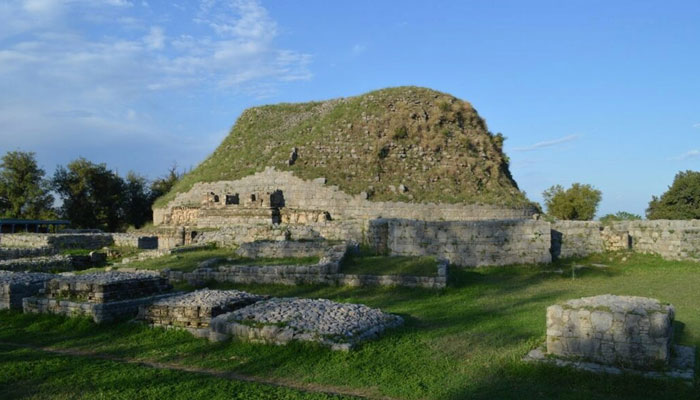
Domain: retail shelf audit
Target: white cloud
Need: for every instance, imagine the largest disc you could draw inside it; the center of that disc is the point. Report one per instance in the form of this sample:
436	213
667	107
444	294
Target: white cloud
688	154
155	39
547	143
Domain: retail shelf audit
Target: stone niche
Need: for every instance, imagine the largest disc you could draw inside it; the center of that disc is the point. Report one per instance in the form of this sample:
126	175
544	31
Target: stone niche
626	331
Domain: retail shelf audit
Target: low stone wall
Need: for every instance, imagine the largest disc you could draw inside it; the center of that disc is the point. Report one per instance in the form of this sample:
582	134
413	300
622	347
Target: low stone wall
674	240
57	263
12	253
136	241
614	330
465	243
15	286
285	248
106	287
99	312
58	241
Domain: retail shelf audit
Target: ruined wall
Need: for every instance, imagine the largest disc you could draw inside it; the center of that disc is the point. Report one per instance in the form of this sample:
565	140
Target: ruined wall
673	240
59	241
576	238
135	240
465	243
309	196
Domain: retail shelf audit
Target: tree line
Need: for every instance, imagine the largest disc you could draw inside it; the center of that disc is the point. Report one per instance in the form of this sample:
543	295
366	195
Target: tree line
580	201
91	195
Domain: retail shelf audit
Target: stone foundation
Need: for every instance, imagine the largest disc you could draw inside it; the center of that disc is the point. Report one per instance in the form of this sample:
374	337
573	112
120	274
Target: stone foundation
195	309
106	287
15	286
99	312
13	253
282	320
613	330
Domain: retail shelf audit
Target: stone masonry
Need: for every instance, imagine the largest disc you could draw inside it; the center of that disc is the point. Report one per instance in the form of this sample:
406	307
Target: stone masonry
282	320
15	286
102	296
614	330
195	309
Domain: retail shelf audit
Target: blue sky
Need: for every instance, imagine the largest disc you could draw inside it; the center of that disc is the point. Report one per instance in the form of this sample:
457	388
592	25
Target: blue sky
599	92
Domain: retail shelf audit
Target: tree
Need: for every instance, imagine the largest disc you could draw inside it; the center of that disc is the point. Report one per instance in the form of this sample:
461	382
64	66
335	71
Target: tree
164	184
620	216
579	202
681	200
92	195
24	193
137	200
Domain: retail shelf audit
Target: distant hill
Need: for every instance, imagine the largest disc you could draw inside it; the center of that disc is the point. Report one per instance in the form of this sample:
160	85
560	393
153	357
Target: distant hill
434	144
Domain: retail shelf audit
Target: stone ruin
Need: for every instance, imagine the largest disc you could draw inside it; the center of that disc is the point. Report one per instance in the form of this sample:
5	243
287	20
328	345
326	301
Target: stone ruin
195	310
282	320
15	286
103	296
613	334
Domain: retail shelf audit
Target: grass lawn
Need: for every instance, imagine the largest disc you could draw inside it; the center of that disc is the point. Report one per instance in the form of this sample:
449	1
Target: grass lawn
465	341
389	265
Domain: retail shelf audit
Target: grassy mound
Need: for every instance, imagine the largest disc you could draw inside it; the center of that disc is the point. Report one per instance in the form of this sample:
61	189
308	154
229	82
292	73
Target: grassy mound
431	142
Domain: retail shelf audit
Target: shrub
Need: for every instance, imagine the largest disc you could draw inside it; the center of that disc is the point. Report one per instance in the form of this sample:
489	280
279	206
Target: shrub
401	132
620	216
579	202
680	201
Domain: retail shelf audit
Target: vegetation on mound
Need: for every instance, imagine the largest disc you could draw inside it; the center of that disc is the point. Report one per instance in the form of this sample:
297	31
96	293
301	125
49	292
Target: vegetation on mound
431	142
465	341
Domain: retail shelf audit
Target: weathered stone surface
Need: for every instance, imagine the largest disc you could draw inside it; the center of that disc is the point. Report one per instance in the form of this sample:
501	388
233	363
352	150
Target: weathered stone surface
106	287
13	253
15	286
281	320
614	330
195	309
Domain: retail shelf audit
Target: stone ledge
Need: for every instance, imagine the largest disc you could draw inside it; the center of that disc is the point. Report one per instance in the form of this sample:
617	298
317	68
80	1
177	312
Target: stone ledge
682	364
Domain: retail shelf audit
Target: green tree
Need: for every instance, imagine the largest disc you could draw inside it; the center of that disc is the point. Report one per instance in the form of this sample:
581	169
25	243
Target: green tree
164	184
681	200
620	216
137	200
92	195
24	193
579	202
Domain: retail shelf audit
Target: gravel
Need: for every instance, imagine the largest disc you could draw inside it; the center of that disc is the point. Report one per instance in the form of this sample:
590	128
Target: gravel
23	277
209	298
104	278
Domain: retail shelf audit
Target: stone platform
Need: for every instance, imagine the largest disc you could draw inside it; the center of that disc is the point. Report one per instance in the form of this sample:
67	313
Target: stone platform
195	309
281	320
615	330
106	287
15	286
103	296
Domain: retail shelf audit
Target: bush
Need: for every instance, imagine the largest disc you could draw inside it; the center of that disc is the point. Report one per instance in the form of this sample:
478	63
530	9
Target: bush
620	216
681	200
579	202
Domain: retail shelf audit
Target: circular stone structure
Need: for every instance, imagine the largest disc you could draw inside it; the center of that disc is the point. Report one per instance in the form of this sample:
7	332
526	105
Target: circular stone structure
614	330
281	320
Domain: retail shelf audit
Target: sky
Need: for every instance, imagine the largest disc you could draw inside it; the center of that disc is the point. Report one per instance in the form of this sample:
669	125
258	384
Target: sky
597	92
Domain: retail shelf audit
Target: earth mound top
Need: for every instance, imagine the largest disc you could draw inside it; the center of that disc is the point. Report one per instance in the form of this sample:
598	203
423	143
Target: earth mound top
406	144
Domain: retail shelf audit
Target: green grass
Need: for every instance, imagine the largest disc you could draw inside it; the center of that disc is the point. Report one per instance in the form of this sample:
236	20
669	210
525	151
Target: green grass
389	265
32	374
465	341
188	261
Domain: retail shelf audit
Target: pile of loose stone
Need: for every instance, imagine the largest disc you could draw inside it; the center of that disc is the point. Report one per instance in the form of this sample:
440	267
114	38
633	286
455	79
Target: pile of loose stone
15	286
281	320
195	309
102	296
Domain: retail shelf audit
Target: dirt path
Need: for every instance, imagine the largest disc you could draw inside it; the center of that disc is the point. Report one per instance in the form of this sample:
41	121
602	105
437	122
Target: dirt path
306	387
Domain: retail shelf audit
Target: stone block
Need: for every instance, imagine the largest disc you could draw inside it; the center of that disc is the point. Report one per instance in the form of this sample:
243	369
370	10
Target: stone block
615	330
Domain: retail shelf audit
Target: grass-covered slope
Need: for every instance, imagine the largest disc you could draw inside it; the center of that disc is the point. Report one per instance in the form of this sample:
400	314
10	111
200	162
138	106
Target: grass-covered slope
431	142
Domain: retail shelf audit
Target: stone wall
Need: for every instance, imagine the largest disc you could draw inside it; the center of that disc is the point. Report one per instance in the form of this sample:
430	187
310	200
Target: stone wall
59	241
576	238
306	198
15	286
135	240
56	263
465	243
289	248
12	253
673	240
